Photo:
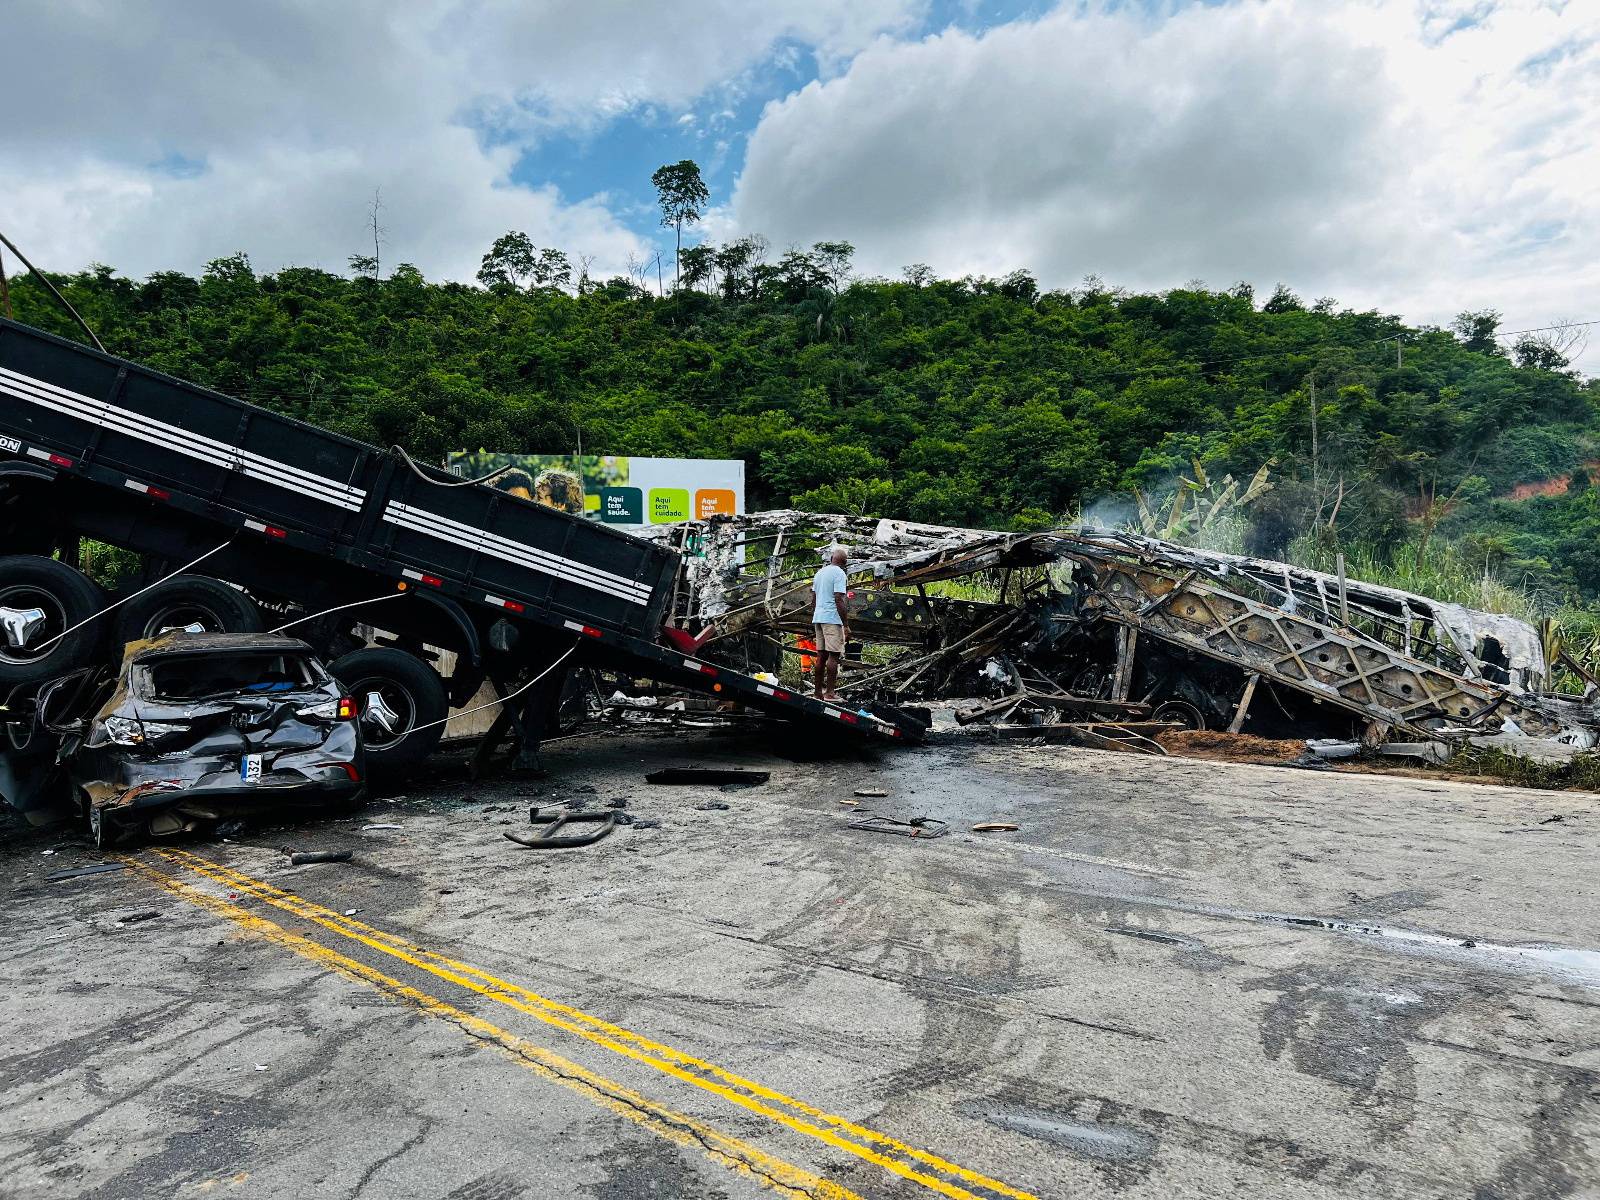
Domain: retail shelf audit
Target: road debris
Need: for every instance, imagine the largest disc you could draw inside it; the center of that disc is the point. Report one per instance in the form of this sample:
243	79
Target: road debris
551	837
994	827
708	775
873	793
300	858
81	872
916	827
135	918
380	825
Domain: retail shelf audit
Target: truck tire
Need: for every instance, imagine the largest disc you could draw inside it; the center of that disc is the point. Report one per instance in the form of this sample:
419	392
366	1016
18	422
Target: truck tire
66	597
411	690
186	600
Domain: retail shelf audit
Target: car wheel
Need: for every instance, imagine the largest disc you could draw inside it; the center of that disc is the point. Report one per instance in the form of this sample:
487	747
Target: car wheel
186	601
40	599
395	694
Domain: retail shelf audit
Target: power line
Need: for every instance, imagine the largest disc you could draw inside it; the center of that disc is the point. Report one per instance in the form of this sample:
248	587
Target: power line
1546	328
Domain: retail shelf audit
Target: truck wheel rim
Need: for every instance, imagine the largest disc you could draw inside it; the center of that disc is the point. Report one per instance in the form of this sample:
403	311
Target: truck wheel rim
183	616
400	702
26	596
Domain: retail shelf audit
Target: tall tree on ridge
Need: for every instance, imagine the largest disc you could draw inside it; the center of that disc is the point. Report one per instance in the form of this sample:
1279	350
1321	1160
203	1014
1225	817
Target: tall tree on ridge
683	197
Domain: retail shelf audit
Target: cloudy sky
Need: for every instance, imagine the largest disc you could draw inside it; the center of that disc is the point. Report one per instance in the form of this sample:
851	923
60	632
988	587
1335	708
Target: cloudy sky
1417	156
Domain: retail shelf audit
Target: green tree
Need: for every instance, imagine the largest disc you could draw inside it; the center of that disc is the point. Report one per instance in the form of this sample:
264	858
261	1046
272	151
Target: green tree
511	260
683	196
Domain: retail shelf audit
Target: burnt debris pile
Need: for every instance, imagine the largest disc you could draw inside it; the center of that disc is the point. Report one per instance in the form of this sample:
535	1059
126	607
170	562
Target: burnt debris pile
1109	636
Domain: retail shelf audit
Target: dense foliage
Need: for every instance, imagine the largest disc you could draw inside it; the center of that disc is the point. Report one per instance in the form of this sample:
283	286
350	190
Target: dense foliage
973	401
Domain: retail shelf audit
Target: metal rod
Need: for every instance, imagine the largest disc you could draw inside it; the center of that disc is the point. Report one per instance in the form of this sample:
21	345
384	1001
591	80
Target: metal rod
44	279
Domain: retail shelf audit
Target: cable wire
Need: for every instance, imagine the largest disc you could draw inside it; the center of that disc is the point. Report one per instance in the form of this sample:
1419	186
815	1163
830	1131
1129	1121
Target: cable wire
45	279
503	699
134	595
337	608
426	478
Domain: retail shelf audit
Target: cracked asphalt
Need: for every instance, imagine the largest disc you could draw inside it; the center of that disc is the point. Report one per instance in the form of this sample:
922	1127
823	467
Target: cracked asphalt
1175	979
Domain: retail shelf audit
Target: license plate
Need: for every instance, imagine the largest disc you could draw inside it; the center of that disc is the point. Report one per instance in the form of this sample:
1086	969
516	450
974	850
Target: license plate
250	768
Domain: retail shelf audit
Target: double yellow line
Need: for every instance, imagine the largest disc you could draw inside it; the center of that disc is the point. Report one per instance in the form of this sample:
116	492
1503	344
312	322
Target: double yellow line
908	1162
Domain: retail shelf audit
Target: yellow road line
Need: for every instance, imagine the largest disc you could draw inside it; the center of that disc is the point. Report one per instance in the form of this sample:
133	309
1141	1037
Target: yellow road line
909	1162
722	1149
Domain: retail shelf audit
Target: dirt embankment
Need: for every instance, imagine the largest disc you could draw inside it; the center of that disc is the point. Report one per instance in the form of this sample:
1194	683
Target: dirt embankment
1557	486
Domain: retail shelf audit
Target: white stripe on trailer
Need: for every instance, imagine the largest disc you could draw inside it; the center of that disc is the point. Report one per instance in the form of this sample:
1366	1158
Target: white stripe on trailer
561	568
154	432
196	446
35	452
112	413
504	547
569	570
173	437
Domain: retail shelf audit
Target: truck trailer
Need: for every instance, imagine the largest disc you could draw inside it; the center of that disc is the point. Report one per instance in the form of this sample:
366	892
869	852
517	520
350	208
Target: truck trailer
252	520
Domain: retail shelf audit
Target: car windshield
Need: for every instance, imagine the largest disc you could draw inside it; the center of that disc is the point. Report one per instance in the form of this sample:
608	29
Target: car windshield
193	676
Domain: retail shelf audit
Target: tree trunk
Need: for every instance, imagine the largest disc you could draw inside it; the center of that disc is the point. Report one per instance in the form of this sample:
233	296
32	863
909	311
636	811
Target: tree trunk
677	259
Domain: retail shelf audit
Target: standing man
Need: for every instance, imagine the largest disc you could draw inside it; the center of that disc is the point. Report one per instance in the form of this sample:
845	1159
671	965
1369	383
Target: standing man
831	619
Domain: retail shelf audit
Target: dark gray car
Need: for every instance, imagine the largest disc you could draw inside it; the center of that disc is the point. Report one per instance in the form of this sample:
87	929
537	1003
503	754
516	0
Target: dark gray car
197	728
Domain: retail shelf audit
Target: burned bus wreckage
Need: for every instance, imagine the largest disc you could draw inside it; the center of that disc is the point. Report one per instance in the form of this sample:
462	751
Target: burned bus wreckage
1117	635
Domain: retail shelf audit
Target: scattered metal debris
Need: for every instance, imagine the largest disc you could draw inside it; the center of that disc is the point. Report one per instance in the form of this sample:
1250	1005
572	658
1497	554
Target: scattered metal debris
551	837
917	827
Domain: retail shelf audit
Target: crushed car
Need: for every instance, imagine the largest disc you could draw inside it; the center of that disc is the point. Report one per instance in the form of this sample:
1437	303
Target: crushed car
195	729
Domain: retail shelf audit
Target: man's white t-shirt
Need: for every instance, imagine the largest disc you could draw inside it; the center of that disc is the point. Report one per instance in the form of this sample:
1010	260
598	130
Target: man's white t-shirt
829	580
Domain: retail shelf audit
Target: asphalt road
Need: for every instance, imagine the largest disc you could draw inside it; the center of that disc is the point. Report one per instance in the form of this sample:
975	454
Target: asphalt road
1176	979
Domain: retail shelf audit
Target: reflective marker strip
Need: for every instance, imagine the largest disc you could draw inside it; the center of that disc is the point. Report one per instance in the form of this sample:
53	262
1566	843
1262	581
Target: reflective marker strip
430	580
844	716
54	459
509	605
269	530
703	668
773	692
154	493
586	630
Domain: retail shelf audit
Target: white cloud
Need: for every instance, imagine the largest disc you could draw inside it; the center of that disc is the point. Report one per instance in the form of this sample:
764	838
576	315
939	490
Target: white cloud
1419	157
162	134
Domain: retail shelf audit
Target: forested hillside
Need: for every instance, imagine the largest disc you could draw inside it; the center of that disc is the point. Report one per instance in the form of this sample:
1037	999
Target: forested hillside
973	401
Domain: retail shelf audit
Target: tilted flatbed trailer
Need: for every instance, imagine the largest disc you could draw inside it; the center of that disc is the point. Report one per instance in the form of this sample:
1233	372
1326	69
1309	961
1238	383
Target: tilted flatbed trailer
299	520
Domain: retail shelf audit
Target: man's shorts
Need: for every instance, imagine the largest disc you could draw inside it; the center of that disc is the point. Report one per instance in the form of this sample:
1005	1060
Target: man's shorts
830	638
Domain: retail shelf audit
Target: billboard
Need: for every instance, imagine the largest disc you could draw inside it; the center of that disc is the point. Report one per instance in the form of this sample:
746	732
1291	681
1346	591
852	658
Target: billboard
615	488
